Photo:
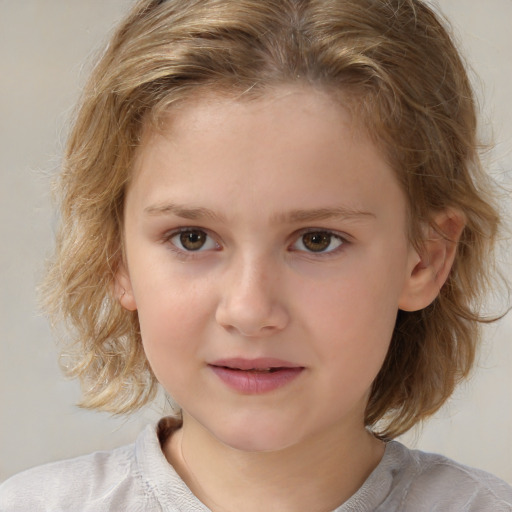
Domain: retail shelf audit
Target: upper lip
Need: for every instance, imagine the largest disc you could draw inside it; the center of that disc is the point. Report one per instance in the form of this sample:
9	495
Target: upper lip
260	363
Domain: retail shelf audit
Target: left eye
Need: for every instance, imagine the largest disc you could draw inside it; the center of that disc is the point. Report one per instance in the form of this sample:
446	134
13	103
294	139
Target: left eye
318	241
193	240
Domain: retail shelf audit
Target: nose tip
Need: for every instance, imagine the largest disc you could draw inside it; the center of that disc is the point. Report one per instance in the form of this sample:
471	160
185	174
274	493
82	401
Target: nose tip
251	320
252	307
257	331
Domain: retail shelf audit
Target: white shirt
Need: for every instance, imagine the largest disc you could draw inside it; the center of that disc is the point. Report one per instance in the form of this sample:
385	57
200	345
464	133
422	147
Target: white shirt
138	478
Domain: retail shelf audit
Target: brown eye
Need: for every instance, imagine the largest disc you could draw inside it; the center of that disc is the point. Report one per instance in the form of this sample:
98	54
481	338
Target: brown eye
191	240
318	241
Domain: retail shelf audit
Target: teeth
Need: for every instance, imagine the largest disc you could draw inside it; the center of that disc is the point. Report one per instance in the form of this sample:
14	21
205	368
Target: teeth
256	370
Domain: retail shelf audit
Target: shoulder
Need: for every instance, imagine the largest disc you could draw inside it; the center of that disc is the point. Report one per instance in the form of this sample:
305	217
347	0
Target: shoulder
96	482
443	484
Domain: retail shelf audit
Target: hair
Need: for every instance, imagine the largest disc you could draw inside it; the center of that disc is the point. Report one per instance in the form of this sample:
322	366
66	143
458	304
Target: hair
396	66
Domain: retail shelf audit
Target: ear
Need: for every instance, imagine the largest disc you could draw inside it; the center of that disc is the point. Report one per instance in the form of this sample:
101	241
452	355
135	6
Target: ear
439	248
123	288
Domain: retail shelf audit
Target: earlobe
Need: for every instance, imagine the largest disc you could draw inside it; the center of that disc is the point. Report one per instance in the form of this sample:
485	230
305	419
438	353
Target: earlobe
431	268
123	289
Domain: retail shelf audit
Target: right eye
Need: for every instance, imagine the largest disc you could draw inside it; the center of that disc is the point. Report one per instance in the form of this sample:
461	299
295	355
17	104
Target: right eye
191	240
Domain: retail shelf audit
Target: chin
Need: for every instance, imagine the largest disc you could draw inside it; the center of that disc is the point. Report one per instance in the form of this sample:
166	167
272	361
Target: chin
255	437
256	444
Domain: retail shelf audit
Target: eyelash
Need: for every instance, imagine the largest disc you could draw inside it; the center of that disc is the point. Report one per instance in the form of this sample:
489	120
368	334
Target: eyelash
297	237
182	251
333	235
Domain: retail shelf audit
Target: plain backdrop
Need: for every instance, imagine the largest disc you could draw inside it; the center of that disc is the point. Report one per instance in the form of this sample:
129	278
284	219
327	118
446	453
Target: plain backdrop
46	49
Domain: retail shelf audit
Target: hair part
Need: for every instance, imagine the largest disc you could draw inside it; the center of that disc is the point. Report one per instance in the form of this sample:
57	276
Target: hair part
391	62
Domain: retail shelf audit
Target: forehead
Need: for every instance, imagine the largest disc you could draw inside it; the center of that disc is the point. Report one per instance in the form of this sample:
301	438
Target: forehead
206	102
295	147
213	120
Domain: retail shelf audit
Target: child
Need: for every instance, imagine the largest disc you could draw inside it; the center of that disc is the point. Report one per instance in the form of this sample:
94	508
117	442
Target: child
275	209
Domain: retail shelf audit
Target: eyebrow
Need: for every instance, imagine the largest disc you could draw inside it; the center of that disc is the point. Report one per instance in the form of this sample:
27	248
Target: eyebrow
299	215
185	212
317	214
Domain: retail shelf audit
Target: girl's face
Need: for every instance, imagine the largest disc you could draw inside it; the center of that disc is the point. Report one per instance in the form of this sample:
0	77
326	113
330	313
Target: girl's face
267	256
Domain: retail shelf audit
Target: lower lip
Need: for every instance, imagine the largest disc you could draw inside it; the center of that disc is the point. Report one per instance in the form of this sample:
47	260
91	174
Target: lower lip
256	382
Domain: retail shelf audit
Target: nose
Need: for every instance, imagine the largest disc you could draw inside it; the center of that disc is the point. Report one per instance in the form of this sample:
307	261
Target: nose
252	301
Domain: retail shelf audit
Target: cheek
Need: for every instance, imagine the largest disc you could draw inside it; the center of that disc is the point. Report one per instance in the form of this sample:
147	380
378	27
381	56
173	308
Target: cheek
360	299
354	317
168	341
358	333
171	316
167	296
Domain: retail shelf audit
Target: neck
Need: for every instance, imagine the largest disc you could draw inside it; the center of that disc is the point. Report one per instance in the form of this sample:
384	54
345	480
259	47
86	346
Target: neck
317	475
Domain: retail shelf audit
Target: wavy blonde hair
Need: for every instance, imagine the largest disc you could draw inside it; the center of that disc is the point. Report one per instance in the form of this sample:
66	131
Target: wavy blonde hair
395	64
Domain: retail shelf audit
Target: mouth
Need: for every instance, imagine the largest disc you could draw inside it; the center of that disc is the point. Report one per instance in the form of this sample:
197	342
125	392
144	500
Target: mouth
254	370
260	365
255	376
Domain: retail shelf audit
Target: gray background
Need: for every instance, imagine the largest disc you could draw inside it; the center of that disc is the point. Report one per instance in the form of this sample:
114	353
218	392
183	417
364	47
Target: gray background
46	47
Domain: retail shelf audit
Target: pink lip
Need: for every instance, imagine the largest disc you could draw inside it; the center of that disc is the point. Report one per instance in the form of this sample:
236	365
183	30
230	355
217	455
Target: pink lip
250	376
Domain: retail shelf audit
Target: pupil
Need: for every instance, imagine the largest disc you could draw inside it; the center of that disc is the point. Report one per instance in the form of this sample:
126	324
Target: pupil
317	242
192	240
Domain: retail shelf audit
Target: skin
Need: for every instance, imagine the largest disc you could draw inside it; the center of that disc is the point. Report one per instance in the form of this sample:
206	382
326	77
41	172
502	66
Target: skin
253	177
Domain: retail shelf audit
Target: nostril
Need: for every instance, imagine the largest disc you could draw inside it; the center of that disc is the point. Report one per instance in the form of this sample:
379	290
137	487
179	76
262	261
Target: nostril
250	321
251	301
